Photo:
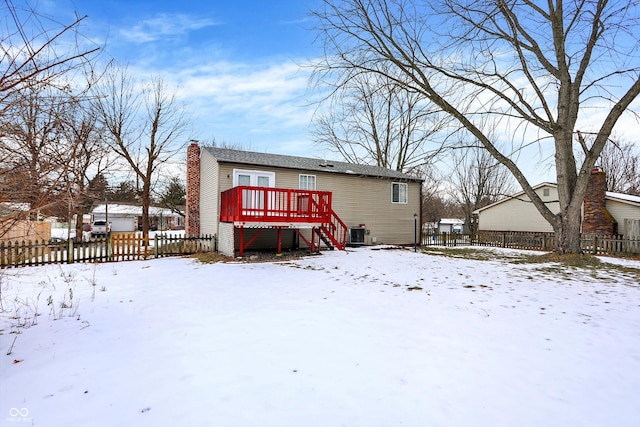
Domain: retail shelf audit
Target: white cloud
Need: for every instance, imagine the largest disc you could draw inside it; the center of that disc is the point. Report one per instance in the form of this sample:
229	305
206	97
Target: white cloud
164	26
239	102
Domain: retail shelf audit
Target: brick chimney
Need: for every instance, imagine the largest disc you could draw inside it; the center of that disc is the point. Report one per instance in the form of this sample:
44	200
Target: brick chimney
192	221
597	220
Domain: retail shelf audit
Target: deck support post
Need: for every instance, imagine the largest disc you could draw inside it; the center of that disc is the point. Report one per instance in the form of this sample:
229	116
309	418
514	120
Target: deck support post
313	240
242	245
310	244
279	244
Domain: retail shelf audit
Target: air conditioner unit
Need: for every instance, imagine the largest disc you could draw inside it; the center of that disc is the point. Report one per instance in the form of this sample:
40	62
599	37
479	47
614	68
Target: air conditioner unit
356	235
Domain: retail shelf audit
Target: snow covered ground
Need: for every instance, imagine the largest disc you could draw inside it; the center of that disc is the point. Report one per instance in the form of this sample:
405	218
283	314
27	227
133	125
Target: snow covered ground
360	338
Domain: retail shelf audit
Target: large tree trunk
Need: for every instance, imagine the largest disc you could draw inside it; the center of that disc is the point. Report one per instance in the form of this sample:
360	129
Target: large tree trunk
146	202
567	231
79	212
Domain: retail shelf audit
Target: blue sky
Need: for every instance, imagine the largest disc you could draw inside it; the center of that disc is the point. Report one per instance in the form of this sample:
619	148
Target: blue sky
236	63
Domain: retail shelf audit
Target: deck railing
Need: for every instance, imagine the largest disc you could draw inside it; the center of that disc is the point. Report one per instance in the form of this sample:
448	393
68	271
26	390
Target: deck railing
265	204
283	205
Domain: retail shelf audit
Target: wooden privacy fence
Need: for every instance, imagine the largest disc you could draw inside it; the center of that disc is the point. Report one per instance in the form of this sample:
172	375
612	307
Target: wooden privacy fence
446	239
12	230
596	245
610	245
119	247
515	240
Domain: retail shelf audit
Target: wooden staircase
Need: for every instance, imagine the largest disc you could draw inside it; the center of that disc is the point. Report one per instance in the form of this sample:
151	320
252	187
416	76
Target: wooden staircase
333	232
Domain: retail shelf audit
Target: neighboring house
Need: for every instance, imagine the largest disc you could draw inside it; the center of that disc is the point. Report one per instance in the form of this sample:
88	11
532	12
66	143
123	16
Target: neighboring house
16	223
430	228
274	201
450	225
128	218
604	212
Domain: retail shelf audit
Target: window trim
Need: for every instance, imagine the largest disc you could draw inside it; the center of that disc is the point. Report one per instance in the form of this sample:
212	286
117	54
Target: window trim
315	182
406	193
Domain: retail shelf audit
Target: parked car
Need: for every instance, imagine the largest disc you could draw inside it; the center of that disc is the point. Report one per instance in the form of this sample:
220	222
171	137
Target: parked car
152	227
100	228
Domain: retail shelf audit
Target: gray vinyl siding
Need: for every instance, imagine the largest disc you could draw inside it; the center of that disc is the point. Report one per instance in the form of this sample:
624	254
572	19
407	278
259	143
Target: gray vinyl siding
367	200
356	200
209	194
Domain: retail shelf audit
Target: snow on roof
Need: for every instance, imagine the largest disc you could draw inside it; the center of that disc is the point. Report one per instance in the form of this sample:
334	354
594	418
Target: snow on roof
121	209
622	197
16	207
452	221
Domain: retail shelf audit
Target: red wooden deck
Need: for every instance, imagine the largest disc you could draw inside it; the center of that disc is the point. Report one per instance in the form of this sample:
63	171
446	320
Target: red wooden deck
267	207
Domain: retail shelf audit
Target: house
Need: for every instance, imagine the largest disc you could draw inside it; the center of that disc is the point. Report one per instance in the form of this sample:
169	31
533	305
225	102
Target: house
128	217
430	227
19	222
262	200
604	212
450	225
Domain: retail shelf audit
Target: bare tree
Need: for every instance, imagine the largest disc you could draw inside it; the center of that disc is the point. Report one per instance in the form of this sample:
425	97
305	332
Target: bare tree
50	146
174	195
33	148
88	158
36	50
478	180
529	68
621	162
145	125
38	57
374	120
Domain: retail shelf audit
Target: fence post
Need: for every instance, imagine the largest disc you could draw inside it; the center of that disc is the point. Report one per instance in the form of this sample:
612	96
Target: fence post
594	250
156	239
214	242
70	251
504	240
28	256
36	252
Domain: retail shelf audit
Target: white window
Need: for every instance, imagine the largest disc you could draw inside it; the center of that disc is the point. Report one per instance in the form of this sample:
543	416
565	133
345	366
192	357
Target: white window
307	182
399	192
254	178
254	199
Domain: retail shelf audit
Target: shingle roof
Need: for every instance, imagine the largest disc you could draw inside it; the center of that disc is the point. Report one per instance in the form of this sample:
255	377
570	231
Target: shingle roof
304	163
